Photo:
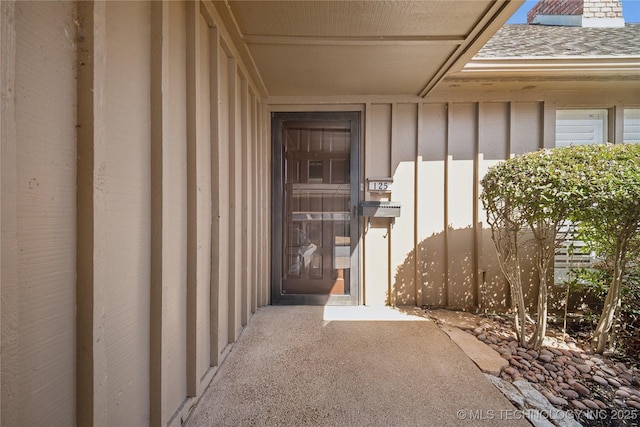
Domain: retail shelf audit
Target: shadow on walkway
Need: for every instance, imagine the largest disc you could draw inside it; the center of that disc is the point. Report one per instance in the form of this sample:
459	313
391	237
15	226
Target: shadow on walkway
293	366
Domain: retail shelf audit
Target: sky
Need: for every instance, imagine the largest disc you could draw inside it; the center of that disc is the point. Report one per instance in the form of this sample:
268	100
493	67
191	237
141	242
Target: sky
630	11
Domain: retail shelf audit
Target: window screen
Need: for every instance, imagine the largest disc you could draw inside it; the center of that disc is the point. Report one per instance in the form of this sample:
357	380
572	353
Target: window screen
631	125
578	127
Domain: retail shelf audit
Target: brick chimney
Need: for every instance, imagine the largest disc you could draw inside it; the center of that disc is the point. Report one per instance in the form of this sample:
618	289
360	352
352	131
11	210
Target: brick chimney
577	13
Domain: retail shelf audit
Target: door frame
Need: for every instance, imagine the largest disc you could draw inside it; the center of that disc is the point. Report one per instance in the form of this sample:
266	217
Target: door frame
277	207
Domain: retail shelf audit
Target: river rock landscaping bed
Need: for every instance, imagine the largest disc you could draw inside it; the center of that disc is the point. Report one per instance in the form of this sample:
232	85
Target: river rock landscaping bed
594	389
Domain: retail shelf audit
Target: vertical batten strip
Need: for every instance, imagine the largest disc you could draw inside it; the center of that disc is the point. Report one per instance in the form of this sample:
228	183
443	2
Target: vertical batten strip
611	124
91	362
477	227
268	164
4	88
447	255
365	172
390	288
216	181
265	196
249	203
260	231
259	208
511	130
618	124
416	204
9	217
234	236
265	143
159	87
193	49
231	108
507	155
245	157
549	126
224	204
254	208
203	144
480	234
541	125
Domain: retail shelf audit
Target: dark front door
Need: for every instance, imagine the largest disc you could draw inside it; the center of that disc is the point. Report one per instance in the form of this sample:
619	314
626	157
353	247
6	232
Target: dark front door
315	194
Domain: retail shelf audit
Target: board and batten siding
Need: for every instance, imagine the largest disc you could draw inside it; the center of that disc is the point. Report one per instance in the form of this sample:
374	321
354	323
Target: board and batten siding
134	210
135	203
37	212
439	252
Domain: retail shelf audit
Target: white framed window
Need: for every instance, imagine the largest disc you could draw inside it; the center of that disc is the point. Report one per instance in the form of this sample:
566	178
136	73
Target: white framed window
570	255
579	127
631	125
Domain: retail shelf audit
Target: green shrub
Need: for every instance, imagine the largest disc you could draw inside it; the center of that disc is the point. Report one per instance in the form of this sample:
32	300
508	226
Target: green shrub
596	187
596	281
530	194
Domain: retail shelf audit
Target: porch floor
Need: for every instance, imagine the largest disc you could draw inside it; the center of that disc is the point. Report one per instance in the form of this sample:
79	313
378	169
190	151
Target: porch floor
304	365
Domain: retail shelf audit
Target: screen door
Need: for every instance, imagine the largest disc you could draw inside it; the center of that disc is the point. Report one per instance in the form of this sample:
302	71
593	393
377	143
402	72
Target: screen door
315	229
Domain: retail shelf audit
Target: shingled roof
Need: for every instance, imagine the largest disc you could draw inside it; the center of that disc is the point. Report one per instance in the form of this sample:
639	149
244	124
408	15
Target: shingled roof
540	41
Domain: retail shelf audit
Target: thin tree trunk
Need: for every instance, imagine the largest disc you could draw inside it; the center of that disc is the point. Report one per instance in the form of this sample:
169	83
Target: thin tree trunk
544	254
612	302
505	239
520	311
541	324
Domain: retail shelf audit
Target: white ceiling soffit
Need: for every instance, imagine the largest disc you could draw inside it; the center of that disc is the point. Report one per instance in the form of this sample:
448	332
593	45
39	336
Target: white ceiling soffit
334	48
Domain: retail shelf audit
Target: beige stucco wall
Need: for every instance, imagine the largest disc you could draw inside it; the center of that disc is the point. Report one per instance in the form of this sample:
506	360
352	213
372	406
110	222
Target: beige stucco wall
128	130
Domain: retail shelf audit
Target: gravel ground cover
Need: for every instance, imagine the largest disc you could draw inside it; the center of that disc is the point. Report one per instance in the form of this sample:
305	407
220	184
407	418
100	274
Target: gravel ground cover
598	390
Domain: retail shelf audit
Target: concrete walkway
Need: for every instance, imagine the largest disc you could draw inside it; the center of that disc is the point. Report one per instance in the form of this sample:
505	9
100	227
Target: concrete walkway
358	366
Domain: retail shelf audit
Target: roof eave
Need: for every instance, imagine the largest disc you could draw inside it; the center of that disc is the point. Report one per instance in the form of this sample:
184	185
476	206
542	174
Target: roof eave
484	29
536	66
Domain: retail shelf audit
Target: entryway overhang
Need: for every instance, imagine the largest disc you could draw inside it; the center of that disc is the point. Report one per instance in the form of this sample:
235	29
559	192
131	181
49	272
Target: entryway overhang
341	48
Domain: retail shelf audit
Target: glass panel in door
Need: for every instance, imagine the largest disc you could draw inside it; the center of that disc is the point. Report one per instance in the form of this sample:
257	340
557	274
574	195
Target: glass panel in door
316	230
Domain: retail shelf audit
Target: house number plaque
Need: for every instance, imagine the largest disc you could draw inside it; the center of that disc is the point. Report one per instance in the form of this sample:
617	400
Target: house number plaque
380	185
